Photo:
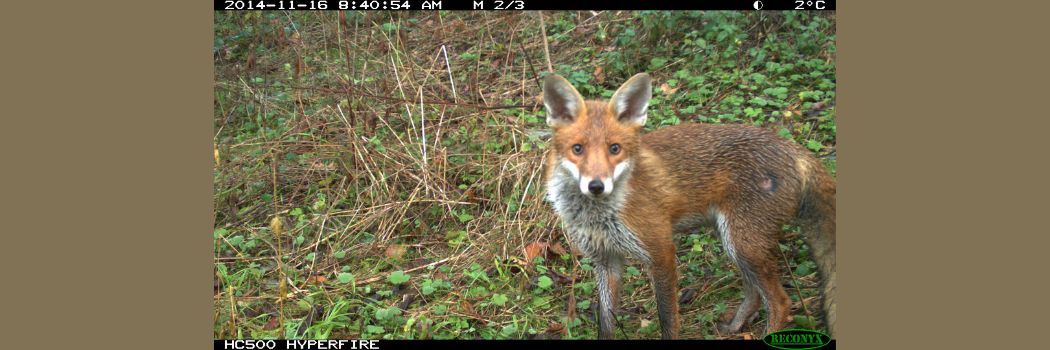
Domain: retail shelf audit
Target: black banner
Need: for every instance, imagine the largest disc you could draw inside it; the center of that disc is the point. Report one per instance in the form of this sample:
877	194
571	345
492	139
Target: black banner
256	344
518	5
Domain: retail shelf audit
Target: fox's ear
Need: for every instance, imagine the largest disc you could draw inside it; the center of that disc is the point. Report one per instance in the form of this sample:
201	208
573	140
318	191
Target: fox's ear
562	101
631	101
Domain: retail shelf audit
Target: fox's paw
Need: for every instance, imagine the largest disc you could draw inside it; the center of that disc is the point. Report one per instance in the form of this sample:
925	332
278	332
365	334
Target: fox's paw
725	327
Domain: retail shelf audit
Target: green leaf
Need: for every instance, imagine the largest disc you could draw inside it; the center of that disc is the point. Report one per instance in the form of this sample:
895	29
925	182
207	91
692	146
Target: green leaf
632	271
340	254
509	330
499	299
545	282
398	277
656	63
804	268
814	145
808	322
779	92
319	203
464	217
345	277
477	291
752	112
236	240
583	304
387	313
299	240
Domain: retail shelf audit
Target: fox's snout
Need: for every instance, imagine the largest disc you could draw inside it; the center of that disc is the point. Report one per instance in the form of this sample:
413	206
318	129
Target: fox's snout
596	187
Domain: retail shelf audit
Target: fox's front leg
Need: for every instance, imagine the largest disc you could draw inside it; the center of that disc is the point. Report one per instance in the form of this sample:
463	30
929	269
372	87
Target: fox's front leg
664	277
608	269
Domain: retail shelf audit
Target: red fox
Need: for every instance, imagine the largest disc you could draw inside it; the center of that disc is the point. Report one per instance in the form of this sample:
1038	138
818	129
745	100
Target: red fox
620	193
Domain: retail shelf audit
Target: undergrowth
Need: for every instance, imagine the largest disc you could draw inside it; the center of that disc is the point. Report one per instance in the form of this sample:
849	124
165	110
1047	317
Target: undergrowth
379	174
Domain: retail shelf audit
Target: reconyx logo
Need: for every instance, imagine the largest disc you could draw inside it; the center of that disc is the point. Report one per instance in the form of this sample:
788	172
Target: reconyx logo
797	339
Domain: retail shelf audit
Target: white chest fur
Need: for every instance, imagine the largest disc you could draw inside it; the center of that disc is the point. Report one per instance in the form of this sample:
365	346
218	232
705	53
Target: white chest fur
593	224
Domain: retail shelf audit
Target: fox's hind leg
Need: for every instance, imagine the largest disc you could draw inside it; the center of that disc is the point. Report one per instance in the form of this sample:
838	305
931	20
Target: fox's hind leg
752	244
734	320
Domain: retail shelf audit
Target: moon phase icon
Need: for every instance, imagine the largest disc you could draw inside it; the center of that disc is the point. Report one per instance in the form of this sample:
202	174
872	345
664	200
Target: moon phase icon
757	5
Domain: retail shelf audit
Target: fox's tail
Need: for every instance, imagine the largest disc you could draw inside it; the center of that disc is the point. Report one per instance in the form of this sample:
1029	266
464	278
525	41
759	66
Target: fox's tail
817	219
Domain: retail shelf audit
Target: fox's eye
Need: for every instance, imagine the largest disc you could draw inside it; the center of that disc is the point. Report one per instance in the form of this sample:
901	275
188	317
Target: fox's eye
615	148
577	148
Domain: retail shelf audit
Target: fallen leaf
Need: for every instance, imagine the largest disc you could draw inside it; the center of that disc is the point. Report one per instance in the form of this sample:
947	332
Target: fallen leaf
599	74
534	249
748	336
645	323
272	324
557	248
317	164
556	327
318	279
406	300
395	251
467	308
471	195
667	89
688	294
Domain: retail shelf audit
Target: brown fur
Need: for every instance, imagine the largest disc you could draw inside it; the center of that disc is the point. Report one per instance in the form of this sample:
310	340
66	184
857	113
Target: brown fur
757	180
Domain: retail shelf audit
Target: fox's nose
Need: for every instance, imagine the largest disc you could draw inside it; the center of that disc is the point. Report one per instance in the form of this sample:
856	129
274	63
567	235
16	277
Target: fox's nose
596	187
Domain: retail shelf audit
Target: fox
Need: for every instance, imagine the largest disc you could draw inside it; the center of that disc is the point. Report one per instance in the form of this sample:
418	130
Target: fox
621	193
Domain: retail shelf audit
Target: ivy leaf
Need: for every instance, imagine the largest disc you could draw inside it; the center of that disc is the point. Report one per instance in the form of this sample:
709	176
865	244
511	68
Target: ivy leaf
656	63
814	145
387	313
499	299
398	277
509	330
804	269
545	282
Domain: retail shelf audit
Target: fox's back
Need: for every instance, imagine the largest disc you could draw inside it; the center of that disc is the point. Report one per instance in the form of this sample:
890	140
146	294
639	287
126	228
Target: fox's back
709	165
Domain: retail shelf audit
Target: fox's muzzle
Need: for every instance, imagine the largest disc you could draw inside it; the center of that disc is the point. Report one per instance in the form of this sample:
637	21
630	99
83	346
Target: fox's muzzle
596	187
